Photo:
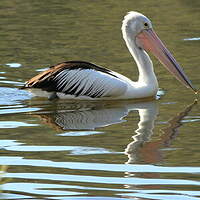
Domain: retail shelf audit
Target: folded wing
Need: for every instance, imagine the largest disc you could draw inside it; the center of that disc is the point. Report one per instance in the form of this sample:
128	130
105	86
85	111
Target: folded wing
79	79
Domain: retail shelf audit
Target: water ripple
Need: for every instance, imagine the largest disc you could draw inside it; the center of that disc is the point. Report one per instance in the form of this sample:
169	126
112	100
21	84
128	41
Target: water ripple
139	168
74	150
39	188
192	39
161	197
101	179
14	65
80	133
15	124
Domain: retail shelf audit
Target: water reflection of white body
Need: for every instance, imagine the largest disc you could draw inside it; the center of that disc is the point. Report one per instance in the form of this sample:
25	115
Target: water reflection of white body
142	149
149	149
89	116
147	113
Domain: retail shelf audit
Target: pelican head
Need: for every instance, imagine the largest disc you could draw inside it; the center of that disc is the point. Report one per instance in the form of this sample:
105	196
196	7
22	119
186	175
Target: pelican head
134	23
137	29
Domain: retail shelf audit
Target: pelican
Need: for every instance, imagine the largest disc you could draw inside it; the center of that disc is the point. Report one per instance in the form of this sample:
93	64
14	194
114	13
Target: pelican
87	81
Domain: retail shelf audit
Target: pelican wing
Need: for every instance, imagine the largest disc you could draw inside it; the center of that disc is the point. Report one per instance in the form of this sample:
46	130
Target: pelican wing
79	79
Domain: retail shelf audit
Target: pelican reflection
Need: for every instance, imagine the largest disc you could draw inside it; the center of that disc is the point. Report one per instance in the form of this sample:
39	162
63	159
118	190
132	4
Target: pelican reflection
142	149
149	150
91	115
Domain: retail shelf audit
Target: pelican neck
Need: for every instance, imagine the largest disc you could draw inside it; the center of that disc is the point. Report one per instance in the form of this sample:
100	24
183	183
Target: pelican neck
142	59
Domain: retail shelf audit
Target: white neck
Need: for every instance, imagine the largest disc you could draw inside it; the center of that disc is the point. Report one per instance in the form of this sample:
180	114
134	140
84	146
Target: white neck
143	61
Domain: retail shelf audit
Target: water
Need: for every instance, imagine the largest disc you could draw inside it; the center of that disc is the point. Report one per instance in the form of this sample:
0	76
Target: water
92	150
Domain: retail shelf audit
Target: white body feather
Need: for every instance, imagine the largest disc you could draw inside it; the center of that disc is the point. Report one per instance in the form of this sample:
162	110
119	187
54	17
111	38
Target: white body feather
106	85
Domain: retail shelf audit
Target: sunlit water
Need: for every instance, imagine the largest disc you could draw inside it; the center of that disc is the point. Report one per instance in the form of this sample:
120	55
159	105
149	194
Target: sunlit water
96	150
